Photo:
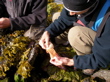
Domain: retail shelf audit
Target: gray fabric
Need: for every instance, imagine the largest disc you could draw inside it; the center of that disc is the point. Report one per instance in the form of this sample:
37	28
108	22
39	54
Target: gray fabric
24	13
34	32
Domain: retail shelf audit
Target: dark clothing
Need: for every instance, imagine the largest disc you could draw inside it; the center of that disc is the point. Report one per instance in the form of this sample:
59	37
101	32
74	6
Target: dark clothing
66	21
101	49
23	13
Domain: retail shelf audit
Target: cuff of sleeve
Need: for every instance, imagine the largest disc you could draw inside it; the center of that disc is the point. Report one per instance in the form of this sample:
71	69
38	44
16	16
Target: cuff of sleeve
75	62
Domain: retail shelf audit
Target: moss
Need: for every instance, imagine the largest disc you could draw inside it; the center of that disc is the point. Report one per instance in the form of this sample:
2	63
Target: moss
53	7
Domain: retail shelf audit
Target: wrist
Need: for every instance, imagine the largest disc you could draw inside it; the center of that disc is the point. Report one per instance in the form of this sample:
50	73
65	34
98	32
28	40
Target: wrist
69	62
46	32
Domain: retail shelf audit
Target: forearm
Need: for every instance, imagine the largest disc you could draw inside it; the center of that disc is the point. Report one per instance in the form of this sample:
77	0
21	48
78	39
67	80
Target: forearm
61	24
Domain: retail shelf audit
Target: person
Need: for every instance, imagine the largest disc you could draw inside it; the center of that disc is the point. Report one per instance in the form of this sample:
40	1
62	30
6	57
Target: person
88	34
22	15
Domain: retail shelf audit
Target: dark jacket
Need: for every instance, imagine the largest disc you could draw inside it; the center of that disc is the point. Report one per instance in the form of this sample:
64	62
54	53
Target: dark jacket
23	13
101	49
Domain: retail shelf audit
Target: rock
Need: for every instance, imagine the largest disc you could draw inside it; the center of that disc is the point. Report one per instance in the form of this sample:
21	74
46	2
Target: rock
103	74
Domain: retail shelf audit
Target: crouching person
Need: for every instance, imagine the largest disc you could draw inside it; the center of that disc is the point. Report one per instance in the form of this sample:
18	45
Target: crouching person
88	24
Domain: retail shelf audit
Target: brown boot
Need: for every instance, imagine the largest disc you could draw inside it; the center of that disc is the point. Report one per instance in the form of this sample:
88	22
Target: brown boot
88	71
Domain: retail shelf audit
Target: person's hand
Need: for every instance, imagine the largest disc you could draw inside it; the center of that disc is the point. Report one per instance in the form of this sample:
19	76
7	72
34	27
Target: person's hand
4	22
61	61
44	41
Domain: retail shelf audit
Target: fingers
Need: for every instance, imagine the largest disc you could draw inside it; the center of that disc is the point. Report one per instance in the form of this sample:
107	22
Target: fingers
1	22
1	26
47	42
42	44
55	61
4	22
44	41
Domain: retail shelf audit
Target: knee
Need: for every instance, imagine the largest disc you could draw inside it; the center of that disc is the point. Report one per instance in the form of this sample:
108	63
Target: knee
74	32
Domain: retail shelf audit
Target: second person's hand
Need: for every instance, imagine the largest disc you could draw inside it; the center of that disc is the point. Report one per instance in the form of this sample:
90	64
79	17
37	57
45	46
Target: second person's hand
5	22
